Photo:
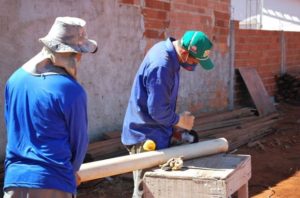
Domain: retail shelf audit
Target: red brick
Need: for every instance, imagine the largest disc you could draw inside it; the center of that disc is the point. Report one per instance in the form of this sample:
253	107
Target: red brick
222	15
184	1
219	6
222	23
222	31
156	24
157	4
155	14
180	26
194	3
221	39
201	3
192	19
269	81
188	8
132	2
153	34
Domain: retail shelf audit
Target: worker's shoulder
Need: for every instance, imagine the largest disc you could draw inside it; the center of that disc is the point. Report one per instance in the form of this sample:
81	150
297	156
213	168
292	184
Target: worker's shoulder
161	56
66	85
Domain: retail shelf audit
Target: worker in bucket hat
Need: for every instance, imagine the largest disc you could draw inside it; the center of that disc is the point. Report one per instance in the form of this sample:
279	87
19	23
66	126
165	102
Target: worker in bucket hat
46	116
151	111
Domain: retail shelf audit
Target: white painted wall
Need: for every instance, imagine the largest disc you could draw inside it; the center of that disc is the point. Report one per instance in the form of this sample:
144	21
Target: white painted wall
275	14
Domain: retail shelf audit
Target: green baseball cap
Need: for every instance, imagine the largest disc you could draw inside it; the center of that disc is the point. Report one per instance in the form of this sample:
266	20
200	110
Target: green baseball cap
198	45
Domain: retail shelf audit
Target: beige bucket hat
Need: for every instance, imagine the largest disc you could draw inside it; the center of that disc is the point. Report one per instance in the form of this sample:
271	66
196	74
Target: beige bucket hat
68	34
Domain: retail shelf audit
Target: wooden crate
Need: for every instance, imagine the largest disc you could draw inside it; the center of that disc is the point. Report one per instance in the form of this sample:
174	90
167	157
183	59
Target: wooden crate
217	176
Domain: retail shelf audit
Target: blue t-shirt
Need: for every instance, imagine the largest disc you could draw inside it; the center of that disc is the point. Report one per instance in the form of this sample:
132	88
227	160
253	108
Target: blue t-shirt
46	120
151	109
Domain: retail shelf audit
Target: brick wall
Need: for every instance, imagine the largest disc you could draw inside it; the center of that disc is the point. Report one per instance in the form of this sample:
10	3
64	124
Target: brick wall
211	17
259	49
163	18
292	49
270	52
156	19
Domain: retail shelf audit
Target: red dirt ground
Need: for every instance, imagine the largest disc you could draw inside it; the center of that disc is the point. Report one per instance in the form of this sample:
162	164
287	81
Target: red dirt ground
275	164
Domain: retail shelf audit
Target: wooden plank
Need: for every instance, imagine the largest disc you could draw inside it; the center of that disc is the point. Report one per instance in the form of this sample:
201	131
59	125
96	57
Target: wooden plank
104	144
242	136
257	91
238	180
222	124
245	132
224	129
246	124
106	149
239	127
111	135
205	118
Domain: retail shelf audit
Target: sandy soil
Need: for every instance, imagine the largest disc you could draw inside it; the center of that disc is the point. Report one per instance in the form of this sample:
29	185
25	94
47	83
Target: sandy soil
276	159
275	164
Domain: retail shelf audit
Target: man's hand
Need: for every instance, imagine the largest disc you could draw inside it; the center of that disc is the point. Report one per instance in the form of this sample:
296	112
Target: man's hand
186	120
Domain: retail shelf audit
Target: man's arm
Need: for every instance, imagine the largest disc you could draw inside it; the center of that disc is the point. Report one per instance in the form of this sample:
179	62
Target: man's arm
159	87
78	126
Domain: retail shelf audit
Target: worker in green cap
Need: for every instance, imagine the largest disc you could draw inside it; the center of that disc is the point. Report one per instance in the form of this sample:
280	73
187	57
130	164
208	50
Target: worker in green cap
151	112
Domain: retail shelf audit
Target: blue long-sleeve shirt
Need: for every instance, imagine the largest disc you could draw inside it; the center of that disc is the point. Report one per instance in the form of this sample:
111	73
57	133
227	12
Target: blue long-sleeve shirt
46	119
151	109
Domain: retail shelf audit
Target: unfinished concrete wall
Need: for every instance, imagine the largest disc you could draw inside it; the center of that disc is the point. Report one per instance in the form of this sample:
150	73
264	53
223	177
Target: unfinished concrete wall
107	75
